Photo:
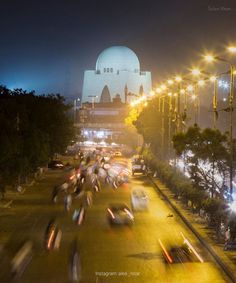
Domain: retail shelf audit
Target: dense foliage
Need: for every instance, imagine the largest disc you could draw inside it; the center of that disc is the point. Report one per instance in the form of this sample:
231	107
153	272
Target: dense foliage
183	189
206	155
148	124
33	129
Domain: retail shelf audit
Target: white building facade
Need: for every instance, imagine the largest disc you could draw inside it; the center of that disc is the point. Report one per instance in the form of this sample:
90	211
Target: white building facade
117	72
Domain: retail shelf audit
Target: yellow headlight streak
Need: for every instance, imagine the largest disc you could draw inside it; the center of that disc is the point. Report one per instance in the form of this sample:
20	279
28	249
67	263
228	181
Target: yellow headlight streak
186	241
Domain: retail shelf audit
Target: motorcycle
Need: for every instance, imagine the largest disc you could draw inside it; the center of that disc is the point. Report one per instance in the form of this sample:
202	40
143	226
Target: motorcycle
74	264
79	215
52	236
96	184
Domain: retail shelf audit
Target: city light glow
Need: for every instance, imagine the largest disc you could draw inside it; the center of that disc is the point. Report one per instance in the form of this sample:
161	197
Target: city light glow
178	79
158	90
213	78
170	82
223	84
209	58
190	87
163	87
196	72
232	49
201	82
233	206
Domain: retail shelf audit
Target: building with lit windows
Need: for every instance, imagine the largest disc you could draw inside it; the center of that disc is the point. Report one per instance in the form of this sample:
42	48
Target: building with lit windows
116	80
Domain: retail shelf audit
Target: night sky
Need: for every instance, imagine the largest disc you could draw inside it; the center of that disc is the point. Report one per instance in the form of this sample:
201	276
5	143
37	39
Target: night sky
47	45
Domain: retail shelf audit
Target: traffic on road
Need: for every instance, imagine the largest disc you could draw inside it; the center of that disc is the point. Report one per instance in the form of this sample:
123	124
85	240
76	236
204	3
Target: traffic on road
98	222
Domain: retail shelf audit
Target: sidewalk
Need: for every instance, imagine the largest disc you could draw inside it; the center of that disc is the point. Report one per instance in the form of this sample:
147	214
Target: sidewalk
33	182
206	235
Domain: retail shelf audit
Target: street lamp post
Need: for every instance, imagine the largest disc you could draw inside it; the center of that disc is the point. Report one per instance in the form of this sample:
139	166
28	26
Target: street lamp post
231	97
75	108
93	99
211	58
163	126
169	124
178	79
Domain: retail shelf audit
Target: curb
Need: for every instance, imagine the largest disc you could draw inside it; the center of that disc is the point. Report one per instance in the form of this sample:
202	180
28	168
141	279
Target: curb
218	260
6	205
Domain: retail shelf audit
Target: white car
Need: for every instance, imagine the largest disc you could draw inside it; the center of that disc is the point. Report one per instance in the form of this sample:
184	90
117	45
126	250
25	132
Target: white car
139	199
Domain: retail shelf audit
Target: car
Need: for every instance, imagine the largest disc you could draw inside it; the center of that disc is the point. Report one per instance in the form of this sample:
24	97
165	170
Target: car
230	246
177	254
139	199
55	164
21	259
52	236
138	167
117	154
119	213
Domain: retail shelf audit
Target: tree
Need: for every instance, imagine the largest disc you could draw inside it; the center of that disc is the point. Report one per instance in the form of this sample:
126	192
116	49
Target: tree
207	158
33	129
148	124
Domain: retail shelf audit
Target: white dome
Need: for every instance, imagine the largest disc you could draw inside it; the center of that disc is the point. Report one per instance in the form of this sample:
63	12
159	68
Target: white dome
117	58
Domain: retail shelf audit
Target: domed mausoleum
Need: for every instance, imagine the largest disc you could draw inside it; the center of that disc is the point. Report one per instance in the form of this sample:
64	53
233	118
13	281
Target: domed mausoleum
117	71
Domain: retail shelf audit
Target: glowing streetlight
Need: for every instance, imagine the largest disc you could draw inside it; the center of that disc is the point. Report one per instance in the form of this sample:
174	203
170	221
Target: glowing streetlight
193	97
182	91
232	49
170	82
196	72
213	78
209	58
163	87
75	109
178	79
201	82
169	93
190	88
158	90
152	93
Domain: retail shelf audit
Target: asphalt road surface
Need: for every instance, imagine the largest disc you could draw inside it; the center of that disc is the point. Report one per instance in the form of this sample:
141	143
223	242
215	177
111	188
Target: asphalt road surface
108	253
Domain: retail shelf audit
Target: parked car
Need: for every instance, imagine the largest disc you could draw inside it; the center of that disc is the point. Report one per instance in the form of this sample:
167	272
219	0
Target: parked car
55	164
138	167
119	213
117	154
139	199
230	246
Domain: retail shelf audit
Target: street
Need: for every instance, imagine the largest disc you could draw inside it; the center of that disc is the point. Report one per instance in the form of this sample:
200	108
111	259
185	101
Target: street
108	253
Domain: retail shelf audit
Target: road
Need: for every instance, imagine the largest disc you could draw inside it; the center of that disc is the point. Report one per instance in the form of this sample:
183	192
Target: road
108	254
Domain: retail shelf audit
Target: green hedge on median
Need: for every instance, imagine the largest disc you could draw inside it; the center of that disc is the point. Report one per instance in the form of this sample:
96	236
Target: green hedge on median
183	189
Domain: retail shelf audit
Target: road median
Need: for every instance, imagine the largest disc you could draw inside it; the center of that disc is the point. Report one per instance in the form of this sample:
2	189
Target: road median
198	229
